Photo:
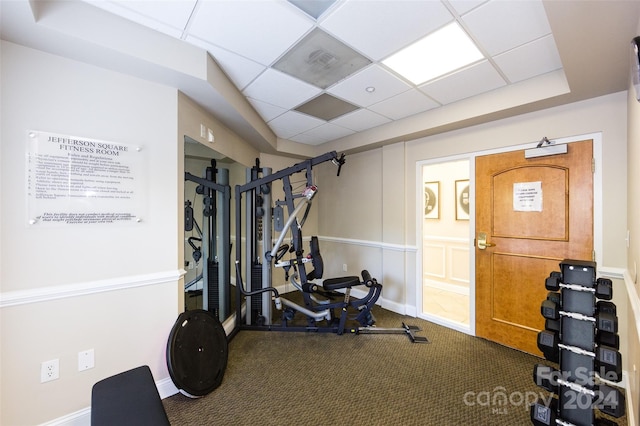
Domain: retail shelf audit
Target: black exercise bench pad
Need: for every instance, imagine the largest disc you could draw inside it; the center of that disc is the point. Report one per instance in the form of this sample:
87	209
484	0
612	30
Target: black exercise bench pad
129	398
338	283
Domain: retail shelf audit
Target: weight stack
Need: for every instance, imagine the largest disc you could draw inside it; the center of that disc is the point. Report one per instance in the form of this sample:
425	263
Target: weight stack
256	300
213	287
580	335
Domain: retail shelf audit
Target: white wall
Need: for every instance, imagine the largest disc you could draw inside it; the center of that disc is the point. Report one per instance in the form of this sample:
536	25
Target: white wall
111	288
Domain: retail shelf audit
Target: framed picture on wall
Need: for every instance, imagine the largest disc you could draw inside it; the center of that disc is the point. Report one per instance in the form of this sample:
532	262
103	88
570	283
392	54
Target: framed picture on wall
432	200
462	199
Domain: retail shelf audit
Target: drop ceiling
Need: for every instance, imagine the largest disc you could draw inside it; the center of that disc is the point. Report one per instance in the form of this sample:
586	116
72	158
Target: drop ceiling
339	94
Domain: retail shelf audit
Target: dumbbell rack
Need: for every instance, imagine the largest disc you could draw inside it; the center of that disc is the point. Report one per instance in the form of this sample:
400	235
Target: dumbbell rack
581	336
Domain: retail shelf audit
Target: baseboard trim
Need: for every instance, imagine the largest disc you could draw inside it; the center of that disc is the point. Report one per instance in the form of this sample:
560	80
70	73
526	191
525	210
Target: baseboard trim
78	418
631	414
166	388
454	325
45	294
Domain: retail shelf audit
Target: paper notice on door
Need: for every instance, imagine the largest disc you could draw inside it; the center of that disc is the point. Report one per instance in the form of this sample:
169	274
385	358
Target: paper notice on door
527	197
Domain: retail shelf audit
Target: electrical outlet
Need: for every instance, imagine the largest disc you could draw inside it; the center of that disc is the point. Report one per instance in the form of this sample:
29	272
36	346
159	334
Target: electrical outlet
344	267
86	360
49	370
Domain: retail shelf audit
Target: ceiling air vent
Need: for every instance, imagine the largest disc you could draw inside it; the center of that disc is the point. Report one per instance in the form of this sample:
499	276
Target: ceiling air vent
321	60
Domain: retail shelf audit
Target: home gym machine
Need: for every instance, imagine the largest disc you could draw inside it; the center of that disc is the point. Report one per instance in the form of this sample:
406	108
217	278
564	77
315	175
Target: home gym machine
214	237
197	348
581	336
327	307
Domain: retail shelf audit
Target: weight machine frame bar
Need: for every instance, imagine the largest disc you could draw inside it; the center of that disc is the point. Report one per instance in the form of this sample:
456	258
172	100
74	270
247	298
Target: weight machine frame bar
225	241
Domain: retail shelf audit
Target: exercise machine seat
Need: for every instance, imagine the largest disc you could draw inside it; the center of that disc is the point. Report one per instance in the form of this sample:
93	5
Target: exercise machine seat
129	398
331	284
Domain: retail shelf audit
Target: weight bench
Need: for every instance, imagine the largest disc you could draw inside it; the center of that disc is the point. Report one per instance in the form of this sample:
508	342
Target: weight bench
127	399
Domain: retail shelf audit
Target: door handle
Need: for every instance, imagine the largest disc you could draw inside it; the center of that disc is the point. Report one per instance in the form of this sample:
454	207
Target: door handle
482	241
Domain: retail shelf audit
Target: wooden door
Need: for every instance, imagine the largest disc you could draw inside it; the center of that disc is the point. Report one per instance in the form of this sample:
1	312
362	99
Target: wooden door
535	213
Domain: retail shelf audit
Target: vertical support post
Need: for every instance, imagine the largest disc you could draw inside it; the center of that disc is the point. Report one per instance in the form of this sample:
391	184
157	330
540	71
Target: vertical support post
224	244
266	246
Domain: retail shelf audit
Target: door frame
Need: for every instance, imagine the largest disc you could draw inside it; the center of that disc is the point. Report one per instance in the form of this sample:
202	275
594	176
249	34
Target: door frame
471	157
420	246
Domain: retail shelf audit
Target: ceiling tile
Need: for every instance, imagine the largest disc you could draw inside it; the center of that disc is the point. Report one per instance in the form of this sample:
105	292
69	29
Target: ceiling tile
267	111
470	81
279	89
463	6
403	105
292	123
261	30
326	107
321	134
502	25
383	27
353	89
532	59
360	120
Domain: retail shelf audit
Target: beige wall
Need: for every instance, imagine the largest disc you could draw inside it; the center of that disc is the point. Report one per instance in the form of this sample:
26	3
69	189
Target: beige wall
445	240
190	119
632	362
111	288
633	181
384	180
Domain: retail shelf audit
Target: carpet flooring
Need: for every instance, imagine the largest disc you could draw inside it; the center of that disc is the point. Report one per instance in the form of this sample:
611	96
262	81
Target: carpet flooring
277	378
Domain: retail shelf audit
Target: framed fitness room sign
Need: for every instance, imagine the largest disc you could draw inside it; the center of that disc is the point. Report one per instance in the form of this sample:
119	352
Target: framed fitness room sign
74	180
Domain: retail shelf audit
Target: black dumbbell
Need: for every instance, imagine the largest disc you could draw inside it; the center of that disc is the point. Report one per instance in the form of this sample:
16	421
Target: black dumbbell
552	325
610	400
543	414
552	283
546	377
609	363
554	296
607	322
604	288
608	339
548	345
606	307
550	309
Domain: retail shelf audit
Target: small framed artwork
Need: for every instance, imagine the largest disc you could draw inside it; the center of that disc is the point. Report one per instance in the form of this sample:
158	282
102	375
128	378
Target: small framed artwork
462	199
432	200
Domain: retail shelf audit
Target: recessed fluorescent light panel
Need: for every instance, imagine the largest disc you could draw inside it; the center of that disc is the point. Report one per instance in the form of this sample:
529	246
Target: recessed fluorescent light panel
439	53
